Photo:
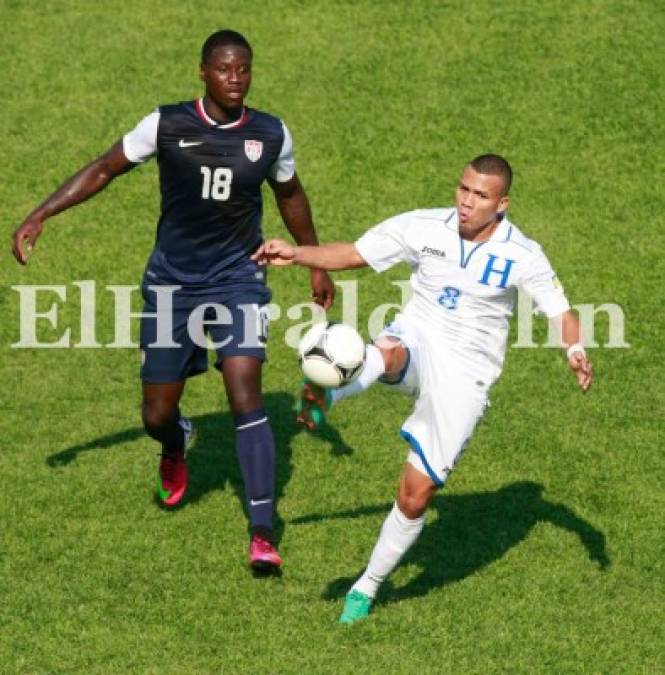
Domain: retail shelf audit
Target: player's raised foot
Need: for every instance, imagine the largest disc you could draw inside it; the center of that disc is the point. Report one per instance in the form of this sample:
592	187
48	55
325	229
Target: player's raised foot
263	556
312	405
357	606
173	473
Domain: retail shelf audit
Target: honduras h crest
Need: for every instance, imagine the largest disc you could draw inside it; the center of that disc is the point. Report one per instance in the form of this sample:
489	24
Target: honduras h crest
253	150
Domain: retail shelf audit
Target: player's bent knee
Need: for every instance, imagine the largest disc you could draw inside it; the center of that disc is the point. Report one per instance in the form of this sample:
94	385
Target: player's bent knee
242	401
415	493
242	379
414	505
394	353
155	418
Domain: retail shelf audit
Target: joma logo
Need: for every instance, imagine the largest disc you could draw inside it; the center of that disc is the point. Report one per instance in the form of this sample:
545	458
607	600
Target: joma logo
433	251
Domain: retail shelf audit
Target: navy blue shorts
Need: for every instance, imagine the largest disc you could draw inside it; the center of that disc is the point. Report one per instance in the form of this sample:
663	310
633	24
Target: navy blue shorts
174	346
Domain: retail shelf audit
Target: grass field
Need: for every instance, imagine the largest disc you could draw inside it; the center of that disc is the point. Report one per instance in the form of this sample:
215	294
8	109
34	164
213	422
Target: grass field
544	553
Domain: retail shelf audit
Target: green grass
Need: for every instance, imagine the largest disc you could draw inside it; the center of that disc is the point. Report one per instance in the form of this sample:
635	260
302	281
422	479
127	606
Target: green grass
544	552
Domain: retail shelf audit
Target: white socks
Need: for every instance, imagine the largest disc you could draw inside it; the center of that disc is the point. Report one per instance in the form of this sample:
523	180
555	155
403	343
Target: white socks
374	368
398	532
397	535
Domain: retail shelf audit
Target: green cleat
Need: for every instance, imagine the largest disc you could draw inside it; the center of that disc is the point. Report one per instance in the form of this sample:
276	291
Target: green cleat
312	405
356	607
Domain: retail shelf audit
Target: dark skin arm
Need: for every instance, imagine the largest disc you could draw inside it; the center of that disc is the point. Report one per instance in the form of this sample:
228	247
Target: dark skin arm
294	208
81	186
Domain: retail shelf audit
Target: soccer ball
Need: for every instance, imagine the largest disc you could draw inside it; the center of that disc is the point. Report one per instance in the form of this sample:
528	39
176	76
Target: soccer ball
331	354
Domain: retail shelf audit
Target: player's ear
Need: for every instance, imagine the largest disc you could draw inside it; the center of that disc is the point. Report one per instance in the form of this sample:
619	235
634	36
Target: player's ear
202	72
503	204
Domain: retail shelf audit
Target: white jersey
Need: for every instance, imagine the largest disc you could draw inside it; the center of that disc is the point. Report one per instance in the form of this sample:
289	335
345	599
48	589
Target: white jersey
464	292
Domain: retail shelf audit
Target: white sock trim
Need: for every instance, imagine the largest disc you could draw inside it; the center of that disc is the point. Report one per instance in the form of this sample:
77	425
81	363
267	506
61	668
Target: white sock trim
252	424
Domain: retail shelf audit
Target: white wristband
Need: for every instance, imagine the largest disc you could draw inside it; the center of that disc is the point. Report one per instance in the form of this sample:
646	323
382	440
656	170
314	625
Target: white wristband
577	347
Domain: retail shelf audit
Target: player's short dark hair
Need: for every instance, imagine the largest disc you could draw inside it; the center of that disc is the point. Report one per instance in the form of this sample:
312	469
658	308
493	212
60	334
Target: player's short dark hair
495	165
223	38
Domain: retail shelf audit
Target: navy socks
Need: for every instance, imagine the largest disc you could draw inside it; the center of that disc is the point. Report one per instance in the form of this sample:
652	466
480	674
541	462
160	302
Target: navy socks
256	454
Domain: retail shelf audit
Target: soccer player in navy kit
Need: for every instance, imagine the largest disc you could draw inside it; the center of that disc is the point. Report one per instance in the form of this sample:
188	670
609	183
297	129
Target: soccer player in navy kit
213	154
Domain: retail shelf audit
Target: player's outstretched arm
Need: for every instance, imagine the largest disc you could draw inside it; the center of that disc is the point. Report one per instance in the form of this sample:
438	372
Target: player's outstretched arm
83	185
577	358
336	256
296	213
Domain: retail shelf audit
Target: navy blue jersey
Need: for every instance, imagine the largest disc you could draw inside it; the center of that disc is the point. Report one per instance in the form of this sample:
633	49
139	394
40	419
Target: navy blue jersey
210	180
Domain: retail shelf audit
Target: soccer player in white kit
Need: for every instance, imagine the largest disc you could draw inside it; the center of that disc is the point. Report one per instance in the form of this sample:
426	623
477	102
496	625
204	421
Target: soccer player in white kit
447	346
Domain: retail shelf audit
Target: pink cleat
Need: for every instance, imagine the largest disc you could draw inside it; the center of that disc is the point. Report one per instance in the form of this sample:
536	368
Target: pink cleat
172	481
263	556
173	473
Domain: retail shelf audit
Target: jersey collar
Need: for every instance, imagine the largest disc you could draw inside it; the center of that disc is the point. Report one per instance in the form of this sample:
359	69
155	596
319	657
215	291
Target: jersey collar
211	122
502	232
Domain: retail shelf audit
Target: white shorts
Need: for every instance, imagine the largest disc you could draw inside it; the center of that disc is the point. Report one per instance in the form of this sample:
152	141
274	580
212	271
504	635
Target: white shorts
448	405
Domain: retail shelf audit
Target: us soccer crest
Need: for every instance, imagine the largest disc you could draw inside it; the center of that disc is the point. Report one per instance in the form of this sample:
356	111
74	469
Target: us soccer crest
253	150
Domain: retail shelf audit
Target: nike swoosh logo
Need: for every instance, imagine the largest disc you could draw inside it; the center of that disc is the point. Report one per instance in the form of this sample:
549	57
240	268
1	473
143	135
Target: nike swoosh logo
256	502
188	144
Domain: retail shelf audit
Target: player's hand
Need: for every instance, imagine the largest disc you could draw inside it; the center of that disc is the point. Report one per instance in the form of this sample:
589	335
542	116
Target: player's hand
582	368
274	252
24	240
323	288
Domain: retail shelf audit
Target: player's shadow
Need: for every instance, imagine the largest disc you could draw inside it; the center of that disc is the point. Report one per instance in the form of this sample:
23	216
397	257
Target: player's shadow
212	458
471	532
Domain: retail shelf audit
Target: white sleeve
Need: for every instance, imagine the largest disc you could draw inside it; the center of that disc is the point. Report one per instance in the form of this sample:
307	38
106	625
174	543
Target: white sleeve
285	165
542	284
390	242
141	142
